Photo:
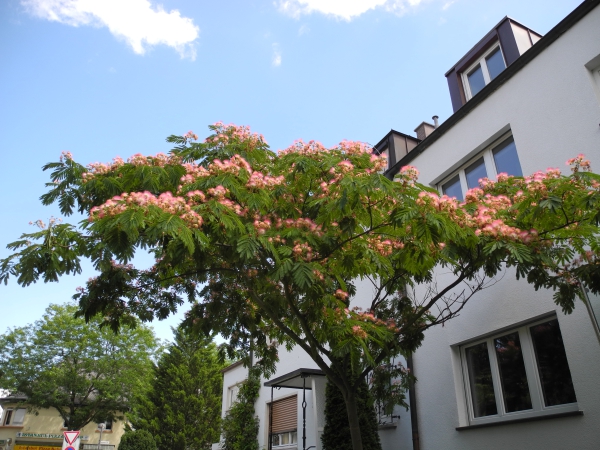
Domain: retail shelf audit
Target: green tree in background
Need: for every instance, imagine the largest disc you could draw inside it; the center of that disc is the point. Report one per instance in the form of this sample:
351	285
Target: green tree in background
183	407
86	373
137	440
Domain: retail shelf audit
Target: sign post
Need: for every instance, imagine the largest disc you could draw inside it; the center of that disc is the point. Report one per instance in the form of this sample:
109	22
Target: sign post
71	440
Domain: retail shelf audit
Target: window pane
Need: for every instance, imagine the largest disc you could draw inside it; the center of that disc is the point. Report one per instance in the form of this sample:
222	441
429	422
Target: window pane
452	188
474	172
495	63
285	438
275	439
513	377
476	81
8	416
506	158
480	380
294	437
552	364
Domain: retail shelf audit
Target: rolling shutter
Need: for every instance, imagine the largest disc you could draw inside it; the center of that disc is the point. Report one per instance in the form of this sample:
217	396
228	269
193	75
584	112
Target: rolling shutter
285	415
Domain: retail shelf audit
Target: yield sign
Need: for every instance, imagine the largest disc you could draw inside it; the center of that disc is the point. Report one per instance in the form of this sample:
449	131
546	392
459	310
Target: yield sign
71	436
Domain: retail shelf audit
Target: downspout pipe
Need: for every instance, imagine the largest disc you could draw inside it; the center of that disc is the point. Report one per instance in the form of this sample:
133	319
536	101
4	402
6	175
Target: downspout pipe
412	398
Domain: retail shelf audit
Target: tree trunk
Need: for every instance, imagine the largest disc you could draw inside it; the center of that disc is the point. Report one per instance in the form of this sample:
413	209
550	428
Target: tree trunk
350	399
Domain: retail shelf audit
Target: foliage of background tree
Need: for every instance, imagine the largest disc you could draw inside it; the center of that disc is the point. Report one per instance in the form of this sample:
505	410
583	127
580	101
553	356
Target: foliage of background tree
336	433
182	410
240	426
86	373
137	440
267	247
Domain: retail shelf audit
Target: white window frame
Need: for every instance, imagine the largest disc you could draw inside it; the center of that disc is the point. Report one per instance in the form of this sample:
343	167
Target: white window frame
5	416
488	159
484	69
533	379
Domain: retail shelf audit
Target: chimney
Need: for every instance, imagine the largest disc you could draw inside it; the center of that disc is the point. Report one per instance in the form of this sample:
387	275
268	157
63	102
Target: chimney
435	121
424	130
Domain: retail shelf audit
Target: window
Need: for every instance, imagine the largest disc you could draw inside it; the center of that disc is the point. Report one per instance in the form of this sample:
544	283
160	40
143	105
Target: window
518	373
284	439
484	70
232	395
107	425
14	417
501	157
283	425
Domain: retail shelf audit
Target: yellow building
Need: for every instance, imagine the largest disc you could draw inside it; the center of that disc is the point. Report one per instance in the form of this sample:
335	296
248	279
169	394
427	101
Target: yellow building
21	430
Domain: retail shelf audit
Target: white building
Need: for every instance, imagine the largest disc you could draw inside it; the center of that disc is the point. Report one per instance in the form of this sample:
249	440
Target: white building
522	103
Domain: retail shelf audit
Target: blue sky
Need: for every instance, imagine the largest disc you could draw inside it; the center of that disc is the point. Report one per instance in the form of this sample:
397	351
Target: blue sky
102	78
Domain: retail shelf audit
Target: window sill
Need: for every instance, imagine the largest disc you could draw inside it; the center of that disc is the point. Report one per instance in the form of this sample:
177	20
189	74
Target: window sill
386	426
11	426
521	420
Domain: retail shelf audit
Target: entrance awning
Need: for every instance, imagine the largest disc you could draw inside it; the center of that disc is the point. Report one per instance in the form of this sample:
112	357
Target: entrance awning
295	379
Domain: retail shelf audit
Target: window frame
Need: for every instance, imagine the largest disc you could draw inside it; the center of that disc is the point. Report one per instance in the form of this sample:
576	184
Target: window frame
484	69
488	159
531	369
11	415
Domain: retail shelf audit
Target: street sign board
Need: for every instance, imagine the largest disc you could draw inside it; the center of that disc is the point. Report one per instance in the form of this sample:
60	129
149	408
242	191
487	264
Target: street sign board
71	440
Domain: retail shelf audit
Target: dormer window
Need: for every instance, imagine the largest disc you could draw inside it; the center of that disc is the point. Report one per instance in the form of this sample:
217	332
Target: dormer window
484	70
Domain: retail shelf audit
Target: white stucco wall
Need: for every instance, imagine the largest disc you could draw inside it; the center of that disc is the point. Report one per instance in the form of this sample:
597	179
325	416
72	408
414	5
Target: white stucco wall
553	110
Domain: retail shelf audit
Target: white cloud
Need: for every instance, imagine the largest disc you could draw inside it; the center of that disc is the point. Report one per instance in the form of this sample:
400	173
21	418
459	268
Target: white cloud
447	5
137	22
343	9
276	61
304	29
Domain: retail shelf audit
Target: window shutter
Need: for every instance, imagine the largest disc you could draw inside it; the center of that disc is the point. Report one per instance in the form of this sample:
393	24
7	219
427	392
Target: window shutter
285	415
19	416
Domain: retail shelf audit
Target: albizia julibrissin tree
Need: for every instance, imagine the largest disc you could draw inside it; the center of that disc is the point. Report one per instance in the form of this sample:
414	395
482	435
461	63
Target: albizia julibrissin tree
266	247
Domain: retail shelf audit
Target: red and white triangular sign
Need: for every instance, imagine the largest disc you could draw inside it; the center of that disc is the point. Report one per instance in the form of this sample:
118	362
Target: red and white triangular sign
71	436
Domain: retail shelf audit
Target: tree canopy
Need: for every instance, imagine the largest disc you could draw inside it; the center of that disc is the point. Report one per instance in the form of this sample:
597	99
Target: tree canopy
85	373
182	410
267	247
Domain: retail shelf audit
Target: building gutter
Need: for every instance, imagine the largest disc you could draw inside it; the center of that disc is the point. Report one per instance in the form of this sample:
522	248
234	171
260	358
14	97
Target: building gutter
556	32
412	398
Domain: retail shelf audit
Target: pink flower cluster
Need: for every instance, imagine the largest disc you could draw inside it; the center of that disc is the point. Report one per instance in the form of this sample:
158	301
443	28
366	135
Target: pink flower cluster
304	148
261	181
579	163
165	201
193	172
342	167
303	250
357	314
190	136
384	247
300	223
159	160
224	133
354	147
66	156
359	332
341	295
233	165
